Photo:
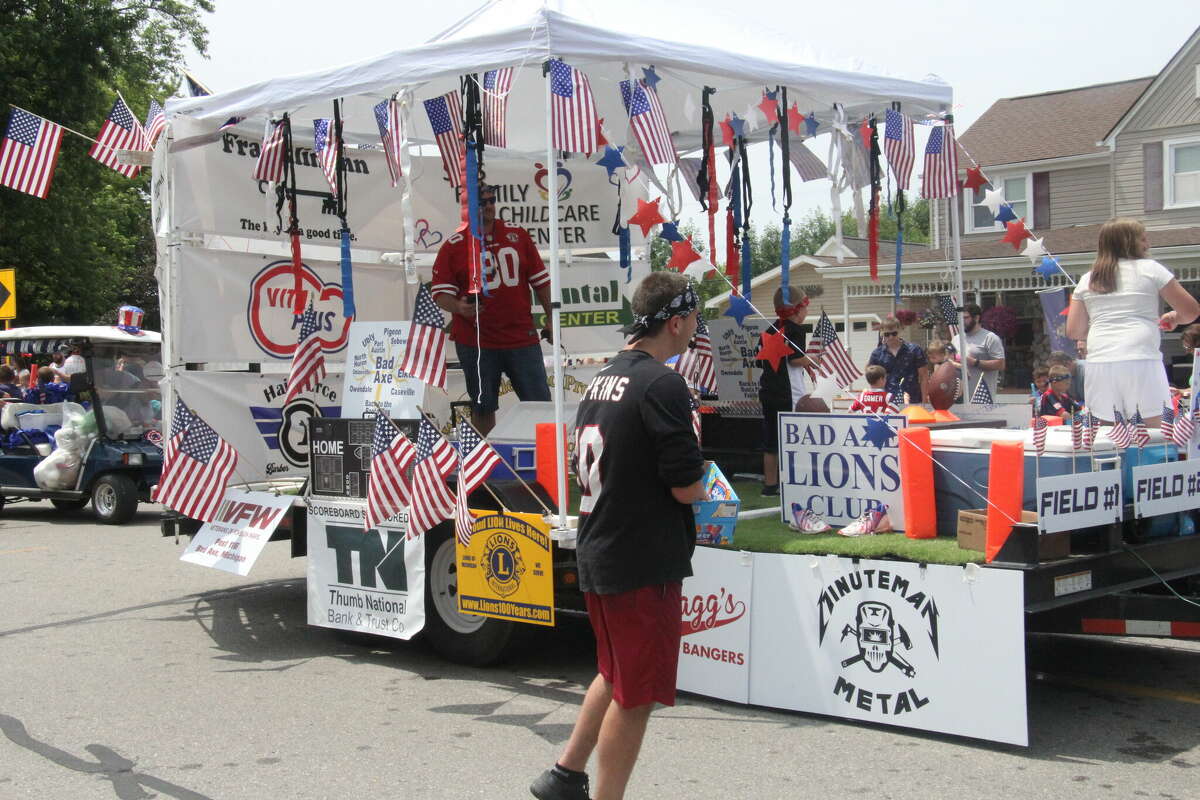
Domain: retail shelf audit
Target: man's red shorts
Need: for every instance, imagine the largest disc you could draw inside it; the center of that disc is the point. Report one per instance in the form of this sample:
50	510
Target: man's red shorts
637	642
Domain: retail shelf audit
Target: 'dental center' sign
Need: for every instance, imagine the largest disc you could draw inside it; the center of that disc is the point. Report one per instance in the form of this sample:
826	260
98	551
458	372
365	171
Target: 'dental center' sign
841	465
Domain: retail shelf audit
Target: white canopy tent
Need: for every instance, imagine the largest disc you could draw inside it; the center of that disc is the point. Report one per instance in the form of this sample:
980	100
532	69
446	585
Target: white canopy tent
606	55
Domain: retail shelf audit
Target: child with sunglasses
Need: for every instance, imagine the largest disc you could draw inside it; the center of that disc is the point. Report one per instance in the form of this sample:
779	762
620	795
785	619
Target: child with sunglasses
1056	400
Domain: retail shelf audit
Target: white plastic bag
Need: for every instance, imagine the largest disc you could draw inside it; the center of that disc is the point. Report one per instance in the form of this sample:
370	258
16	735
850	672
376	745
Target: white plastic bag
59	470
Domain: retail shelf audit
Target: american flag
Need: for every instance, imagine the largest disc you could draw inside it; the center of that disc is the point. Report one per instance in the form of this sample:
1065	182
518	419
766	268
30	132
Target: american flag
1090	426
1167	423
941	164
835	361
1121	433
696	363
29	153
496	85
1181	434
697	420
445	117
325	146
1141	436
308	359
1039	434
196	467
156	123
949	313
1077	431
387	486
895	403
899	146
476	459
432	501
649	123
269	166
231	122
982	394
425	353
387	117
572	110
120	131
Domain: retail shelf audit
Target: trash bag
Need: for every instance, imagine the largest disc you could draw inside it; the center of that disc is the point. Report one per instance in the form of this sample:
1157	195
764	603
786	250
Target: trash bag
116	421
72	415
69	439
59	470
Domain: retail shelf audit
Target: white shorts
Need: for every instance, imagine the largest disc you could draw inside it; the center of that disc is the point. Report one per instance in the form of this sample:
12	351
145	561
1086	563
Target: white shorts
1126	386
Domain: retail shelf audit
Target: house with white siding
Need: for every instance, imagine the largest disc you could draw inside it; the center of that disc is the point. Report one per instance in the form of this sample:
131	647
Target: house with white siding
1067	161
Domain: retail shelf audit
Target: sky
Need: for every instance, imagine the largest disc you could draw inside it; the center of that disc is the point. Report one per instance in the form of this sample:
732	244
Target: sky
985	51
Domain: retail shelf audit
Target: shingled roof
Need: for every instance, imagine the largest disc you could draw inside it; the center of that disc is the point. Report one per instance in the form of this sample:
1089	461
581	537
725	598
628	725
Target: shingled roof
1050	125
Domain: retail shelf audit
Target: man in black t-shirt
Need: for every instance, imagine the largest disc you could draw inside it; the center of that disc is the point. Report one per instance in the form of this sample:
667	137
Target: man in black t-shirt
639	469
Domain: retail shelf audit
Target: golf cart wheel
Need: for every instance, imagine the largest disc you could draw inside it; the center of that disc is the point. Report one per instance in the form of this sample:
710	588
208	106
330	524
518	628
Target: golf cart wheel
461	638
114	499
70	505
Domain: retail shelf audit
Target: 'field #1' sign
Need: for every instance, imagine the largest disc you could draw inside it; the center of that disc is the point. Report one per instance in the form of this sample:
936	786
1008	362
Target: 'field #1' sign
1166	488
1074	502
841	465
233	541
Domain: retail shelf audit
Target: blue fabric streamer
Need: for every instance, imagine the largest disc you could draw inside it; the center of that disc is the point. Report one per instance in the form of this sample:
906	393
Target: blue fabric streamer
899	261
626	253
473	217
785	258
347	277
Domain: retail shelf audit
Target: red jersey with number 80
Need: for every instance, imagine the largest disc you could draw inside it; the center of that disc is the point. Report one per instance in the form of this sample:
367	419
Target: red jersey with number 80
513	269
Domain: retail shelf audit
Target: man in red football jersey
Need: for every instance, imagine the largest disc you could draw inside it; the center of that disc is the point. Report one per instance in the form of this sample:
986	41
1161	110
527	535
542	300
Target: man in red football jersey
493	332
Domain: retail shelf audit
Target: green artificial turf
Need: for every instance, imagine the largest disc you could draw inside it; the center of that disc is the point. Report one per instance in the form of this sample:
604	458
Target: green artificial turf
769	535
750	493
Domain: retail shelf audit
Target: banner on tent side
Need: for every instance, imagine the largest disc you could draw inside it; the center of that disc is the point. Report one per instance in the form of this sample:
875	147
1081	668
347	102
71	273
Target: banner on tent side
841	465
595	304
374	379
245	303
734	347
896	643
367	581
714	648
247	410
215	193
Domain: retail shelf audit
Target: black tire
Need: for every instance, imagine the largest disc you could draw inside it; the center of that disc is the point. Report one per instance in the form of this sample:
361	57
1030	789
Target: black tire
1	502
114	499
70	505
460	638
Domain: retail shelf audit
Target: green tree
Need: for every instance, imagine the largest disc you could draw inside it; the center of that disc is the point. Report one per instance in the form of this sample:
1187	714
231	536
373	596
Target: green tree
88	246
915	216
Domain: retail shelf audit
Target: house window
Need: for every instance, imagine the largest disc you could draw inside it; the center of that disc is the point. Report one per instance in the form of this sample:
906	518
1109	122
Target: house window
1018	193
1182	163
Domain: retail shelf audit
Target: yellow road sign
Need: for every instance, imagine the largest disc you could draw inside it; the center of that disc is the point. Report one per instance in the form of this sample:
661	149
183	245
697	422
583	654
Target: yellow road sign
8	294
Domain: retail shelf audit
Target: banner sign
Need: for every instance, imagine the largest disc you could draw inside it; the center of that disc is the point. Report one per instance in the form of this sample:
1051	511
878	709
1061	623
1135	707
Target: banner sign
373	378
1074	502
714	651
366	581
241	305
734	347
841	465
1054	303
215	193
233	541
596	297
928	647
507	570
1165	488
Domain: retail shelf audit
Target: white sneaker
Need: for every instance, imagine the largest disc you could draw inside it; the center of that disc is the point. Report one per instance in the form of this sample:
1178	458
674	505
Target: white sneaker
864	525
807	522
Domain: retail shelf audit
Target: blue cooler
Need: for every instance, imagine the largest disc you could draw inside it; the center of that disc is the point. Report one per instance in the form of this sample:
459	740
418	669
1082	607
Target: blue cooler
964	453
515	436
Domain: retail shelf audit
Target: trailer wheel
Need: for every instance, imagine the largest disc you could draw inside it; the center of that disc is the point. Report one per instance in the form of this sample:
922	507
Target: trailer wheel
461	638
114	499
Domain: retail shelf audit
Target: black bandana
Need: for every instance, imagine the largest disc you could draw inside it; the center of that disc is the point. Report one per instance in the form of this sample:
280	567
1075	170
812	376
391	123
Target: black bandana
680	305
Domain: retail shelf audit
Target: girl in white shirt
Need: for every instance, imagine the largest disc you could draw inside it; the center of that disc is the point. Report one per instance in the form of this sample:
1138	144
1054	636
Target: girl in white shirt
1115	307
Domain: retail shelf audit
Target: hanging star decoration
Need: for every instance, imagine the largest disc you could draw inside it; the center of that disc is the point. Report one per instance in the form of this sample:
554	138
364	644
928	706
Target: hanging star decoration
993	199
738	126
682	254
727	131
1017	233
826	388
864	134
794	119
974	179
601	139
1034	250
739	309
698	269
647	215
612	160
878	432
769	106
1048	268
650	77
670	232
751	118
774	350
1006	214
811	124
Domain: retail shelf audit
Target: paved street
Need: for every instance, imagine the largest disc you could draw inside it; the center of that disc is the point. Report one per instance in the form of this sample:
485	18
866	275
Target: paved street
129	674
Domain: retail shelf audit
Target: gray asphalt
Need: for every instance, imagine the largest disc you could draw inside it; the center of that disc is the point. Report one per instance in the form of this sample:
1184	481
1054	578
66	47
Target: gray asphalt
126	673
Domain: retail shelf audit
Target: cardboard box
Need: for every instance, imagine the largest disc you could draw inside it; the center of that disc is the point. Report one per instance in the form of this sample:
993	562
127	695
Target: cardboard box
1025	545
716	517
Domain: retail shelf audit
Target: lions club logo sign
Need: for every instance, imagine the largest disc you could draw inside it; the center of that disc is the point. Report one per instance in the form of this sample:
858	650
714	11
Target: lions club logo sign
271	306
502	564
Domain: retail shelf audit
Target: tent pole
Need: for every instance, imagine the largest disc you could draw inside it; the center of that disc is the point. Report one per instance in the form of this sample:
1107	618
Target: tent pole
560	456
956	241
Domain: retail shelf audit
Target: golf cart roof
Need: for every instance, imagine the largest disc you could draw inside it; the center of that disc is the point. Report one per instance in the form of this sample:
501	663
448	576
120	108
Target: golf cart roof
47	338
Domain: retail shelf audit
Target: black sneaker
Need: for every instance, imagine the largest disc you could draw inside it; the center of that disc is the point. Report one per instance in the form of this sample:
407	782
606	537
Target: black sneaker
770	491
555	784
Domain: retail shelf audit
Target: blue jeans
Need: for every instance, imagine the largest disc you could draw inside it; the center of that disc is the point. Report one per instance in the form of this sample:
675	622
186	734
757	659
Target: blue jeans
523	366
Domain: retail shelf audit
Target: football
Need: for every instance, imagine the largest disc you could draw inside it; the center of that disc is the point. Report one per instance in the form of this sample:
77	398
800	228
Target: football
811	405
943	386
